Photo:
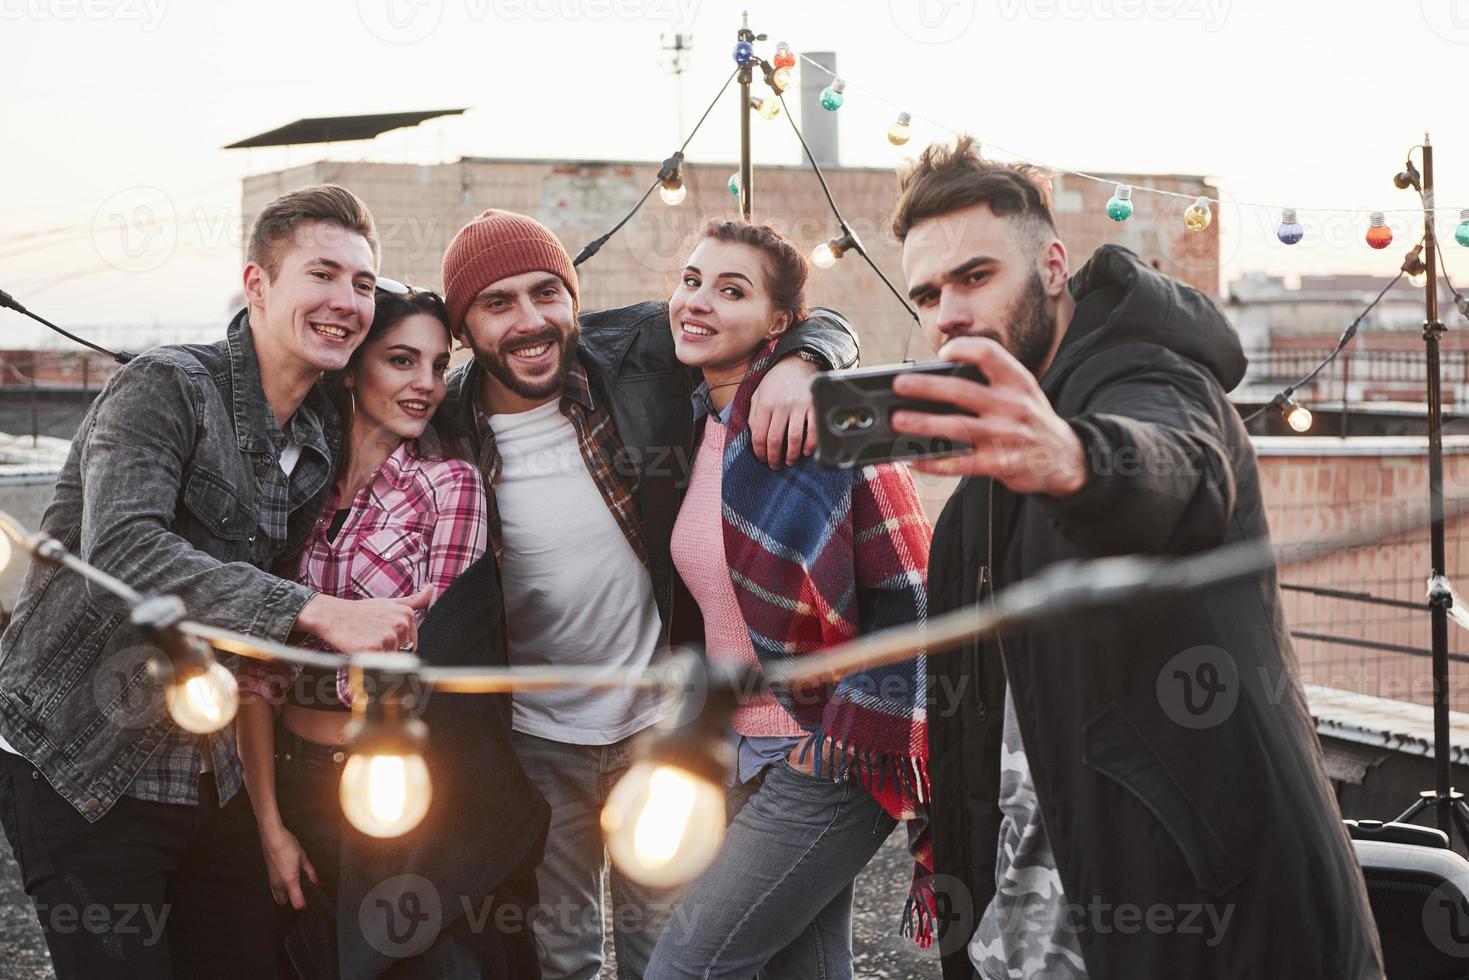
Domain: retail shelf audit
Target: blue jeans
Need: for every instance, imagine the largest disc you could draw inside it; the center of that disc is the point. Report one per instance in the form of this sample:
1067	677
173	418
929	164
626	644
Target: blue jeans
777	900
568	922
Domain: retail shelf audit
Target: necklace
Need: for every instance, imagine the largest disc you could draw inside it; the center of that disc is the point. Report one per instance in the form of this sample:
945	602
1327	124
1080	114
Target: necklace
728	383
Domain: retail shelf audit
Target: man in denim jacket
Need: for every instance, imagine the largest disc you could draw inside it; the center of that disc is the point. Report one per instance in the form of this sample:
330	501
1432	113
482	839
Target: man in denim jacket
197	468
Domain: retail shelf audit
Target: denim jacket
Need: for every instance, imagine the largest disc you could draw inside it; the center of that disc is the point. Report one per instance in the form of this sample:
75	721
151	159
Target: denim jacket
162	489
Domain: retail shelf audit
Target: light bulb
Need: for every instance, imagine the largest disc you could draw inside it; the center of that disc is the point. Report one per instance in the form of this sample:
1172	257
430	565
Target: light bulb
784	56
1290	230
898	132
6	552
832	97
1461	233
1418	279
823	256
768	107
1298	416
663	824
1379	235
782	78
673	196
1198	215
734	183
1119	208
385	795
744	53
205	701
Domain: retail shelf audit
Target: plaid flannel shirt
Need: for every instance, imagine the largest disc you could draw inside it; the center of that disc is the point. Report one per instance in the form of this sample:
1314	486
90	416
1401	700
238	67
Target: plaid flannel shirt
418	521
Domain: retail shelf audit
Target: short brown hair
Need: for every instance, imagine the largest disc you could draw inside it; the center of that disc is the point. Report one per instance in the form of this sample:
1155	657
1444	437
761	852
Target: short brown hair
951	178
280	218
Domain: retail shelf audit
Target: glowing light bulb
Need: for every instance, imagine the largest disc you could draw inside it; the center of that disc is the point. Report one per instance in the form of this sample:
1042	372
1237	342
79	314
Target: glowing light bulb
782	78
1290	230
823	256
1418	279
744	54
385	795
6	553
1298	416
734	183
1198	216
1119	208
673	195
663	824
1379	235
832	97
784	56
205	701
1461	233
898	132
766	108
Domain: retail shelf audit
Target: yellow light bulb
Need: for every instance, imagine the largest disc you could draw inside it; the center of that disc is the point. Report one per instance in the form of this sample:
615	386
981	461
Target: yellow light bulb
1299	417
6	551
783	78
385	795
898	132
663	824
206	702
769	107
1198	215
673	196
823	256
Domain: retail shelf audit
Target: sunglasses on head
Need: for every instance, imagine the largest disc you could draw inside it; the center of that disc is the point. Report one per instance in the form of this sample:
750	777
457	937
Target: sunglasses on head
393	286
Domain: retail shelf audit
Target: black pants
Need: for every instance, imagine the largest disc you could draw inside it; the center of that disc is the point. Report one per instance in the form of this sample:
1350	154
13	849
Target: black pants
156	891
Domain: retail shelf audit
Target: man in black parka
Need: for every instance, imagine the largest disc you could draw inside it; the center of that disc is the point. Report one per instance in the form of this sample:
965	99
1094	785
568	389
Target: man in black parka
1140	793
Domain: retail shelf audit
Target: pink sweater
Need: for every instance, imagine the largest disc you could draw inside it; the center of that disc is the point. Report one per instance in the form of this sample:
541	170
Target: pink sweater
698	554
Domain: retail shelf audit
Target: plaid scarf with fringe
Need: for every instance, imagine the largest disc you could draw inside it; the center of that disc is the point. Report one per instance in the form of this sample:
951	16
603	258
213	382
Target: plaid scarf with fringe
818	556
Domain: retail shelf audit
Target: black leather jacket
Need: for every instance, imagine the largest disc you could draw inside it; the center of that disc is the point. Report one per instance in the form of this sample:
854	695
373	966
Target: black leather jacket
629	358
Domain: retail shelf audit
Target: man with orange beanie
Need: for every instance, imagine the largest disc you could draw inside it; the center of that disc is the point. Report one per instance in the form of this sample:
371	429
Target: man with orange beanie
582	427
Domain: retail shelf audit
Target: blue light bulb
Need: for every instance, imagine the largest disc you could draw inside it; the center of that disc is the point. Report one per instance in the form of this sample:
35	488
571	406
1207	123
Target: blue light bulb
744	53
1290	230
1119	208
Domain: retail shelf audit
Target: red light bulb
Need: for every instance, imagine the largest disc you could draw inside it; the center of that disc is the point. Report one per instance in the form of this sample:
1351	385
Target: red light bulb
1379	235
784	56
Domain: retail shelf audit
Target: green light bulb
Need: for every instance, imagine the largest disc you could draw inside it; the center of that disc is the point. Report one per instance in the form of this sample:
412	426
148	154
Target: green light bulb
1461	233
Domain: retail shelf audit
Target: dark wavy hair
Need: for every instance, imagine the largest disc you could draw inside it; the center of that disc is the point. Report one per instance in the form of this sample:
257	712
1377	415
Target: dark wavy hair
442	438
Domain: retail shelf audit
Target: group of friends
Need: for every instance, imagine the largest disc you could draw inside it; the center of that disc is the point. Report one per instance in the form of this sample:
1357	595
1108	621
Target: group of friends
594	488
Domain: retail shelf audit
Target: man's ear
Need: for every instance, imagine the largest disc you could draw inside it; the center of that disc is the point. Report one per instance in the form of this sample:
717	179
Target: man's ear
1055	268
256	279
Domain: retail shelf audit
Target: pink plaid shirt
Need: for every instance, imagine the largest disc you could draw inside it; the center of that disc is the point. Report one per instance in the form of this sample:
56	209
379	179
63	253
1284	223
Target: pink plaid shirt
418	521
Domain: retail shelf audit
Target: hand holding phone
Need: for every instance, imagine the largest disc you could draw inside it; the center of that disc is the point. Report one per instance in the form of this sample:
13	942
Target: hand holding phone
854	410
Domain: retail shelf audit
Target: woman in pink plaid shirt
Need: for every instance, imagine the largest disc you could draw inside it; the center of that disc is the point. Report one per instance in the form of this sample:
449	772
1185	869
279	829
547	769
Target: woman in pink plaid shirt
405	517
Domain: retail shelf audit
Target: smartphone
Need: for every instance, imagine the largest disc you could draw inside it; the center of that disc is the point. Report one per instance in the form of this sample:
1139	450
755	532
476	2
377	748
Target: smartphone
854	412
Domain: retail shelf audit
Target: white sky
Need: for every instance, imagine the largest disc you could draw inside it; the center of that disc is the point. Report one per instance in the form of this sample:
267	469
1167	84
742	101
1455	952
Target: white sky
119	107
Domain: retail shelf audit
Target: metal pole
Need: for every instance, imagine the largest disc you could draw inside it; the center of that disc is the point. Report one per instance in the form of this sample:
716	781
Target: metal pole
1438	594
747	172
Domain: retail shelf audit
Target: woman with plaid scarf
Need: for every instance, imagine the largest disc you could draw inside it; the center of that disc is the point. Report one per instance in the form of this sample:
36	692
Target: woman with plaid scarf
785	563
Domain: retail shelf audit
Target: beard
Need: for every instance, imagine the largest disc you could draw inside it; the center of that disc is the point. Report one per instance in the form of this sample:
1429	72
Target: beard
499	363
1031	324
